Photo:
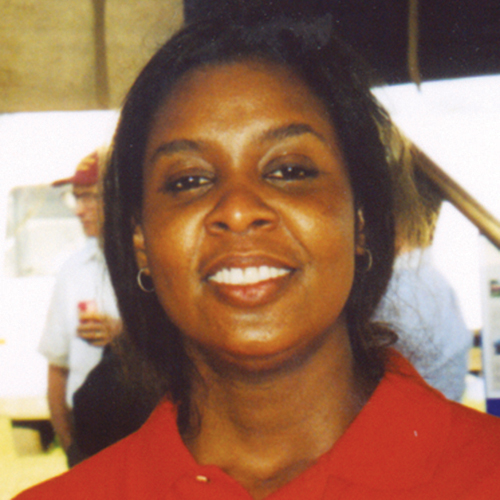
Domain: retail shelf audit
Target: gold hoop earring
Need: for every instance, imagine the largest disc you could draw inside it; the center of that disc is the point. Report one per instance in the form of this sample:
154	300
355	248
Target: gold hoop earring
142	270
370	260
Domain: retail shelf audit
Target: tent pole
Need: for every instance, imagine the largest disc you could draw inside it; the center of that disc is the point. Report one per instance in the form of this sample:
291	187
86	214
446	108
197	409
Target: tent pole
101	63
488	225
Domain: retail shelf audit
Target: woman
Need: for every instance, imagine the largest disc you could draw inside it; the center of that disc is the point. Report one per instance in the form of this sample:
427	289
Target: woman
250	236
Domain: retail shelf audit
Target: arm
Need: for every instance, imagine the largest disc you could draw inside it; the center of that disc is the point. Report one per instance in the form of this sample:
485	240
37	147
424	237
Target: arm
60	414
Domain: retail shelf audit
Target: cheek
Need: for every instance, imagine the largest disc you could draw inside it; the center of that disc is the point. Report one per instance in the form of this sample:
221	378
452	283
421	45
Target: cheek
93	211
326	228
328	235
172	246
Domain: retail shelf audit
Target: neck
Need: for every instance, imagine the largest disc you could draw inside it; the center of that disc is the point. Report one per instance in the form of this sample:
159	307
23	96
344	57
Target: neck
265	429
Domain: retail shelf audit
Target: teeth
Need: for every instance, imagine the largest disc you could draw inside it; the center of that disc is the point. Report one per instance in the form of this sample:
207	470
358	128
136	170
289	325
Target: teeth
248	275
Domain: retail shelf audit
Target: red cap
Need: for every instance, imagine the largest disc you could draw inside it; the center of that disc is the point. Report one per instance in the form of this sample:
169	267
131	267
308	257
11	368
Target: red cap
86	174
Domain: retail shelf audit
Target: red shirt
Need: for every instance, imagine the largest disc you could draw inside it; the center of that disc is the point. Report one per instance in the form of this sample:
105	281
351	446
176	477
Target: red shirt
408	442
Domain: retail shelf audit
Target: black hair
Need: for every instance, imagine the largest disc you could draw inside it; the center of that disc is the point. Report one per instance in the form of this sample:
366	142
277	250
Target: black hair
308	48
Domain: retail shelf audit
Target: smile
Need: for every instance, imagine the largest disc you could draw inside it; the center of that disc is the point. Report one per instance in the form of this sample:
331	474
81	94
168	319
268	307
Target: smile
247	276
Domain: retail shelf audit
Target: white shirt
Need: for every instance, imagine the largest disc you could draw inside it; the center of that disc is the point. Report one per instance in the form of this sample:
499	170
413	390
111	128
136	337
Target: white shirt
83	277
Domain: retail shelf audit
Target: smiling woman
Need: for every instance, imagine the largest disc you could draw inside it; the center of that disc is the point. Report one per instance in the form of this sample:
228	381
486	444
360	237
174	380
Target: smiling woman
262	185
300	160
250	181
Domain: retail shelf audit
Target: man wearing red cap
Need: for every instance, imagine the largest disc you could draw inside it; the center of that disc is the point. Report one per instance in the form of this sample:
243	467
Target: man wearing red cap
82	314
85	191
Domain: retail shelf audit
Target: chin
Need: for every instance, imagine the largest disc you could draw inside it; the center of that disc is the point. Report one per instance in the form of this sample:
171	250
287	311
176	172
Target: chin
261	355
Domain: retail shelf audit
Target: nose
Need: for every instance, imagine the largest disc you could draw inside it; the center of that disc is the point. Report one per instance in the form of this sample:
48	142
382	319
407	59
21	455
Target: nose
240	210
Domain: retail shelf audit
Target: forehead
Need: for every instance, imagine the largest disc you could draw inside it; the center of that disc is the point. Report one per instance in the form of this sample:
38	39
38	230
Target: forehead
244	86
238	98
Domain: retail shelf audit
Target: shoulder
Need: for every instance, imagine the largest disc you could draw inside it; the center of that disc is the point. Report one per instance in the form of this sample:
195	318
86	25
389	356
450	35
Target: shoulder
139	466
470	458
81	270
411	440
99	477
455	441
474	434
78	260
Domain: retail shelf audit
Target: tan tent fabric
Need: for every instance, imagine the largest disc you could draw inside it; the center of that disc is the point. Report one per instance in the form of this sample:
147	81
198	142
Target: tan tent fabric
48	52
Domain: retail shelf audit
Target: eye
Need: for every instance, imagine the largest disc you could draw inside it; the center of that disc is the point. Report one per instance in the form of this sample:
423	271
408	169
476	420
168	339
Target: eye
293	172
187	183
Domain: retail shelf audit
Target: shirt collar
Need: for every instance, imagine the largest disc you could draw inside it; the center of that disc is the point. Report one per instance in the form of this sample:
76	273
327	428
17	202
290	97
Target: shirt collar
92	250
394	443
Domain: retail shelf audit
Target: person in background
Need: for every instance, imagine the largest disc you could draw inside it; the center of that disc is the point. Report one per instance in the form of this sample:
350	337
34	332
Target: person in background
422	308
82	316
420	305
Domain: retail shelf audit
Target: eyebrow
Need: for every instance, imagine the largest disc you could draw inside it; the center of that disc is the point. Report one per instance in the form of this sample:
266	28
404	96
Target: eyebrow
177	146
292	130
279	133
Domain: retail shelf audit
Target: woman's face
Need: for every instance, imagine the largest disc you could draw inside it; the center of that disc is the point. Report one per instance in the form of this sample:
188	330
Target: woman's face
248	221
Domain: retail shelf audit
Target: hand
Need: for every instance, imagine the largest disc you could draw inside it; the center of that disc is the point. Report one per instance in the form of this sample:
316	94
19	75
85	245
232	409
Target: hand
98	329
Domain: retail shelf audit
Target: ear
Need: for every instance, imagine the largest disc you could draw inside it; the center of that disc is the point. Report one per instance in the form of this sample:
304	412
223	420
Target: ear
140	247
360	233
